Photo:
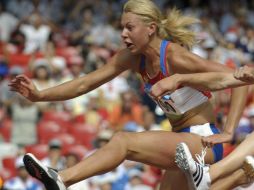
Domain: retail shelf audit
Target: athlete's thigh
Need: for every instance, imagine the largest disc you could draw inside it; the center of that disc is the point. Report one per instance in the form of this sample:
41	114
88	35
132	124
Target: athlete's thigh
158	147
174	179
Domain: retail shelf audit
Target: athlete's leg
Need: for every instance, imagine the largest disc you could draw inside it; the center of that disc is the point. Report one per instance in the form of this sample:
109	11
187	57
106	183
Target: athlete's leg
174	179
153	147
234	160
235	179
226	166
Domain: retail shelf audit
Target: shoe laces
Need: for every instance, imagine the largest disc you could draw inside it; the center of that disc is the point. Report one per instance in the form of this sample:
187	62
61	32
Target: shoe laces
201	158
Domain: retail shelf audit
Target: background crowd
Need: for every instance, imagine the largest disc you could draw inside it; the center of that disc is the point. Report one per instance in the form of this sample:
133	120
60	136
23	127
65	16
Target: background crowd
54	41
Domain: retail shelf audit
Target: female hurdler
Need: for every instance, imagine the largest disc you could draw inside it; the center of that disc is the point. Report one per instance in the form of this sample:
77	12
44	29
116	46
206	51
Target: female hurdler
156	47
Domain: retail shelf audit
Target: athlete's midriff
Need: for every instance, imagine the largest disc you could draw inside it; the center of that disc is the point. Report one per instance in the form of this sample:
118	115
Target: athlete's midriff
196	116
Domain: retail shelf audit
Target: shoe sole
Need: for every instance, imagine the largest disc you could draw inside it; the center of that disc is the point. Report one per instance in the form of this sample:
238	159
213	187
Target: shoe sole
182	155
248	167
181	159
38	171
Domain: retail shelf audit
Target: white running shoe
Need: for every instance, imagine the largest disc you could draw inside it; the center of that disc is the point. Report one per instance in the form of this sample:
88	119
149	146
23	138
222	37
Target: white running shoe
248	167
197	173
48	176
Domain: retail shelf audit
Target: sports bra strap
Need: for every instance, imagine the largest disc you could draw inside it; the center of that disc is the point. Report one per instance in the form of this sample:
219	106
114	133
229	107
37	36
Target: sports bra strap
163	56
142	63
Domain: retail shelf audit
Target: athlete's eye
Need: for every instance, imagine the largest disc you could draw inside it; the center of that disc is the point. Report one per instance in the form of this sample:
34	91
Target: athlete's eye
130	28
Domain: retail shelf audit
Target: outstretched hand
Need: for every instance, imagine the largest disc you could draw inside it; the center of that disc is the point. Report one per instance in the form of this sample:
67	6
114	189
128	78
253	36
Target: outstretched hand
245	74
164	86
24	86
212	140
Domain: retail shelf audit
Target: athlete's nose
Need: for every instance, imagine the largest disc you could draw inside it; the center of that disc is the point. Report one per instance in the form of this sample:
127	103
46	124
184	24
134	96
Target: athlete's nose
124	34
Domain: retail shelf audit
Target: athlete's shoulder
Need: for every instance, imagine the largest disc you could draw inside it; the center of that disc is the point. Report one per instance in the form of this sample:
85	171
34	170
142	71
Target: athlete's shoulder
175	55
127	59
175	48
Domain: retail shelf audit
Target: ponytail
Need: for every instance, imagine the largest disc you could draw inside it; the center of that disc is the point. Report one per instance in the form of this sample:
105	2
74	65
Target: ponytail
174	28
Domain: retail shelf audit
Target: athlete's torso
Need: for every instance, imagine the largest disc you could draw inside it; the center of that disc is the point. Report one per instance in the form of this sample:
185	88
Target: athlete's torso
183	106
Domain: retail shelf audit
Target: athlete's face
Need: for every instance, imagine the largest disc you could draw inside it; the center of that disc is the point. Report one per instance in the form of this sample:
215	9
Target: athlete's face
135	33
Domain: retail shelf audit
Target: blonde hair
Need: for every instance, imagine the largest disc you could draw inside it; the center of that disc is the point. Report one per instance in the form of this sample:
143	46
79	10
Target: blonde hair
173	27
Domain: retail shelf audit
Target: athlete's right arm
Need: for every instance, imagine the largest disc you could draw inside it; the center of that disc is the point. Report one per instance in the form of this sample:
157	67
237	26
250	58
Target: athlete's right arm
120	62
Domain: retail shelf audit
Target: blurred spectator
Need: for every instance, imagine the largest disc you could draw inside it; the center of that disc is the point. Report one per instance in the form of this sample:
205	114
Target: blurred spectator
136	181
151	176
103	138
17	42
41	72
113	89
54	159
114	180
7	96
20	8
132	127
129	110
71	160
24	115
246	126
84	23
8	150
100	140
7	24
78	105
22	181
3	69
149	121
110	38
1	183
49	9
57	63
37	34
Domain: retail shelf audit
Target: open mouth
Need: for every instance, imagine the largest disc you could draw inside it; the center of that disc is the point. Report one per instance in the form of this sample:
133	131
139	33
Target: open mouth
129	45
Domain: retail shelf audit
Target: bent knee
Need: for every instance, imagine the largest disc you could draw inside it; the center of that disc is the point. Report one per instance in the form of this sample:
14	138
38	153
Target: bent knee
120	138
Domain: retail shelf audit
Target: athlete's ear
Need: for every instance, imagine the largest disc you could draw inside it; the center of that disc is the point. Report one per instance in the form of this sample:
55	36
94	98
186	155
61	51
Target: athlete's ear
152	28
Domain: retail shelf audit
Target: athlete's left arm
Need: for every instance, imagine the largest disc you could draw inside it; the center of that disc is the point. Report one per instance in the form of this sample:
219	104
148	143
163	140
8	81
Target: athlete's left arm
183	61
245	74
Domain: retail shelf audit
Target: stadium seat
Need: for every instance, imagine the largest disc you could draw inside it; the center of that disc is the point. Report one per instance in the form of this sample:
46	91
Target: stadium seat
6	173
55	115
47	130
83	134
61	118
21	60
5	129
79	150
9	163
39	150
66	139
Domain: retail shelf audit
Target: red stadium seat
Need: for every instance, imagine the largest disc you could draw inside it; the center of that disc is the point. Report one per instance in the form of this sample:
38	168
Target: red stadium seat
5	129
66	139
55	116
39	150
61	118
48	130
21	60
83	134
79	150
6	173
9	163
